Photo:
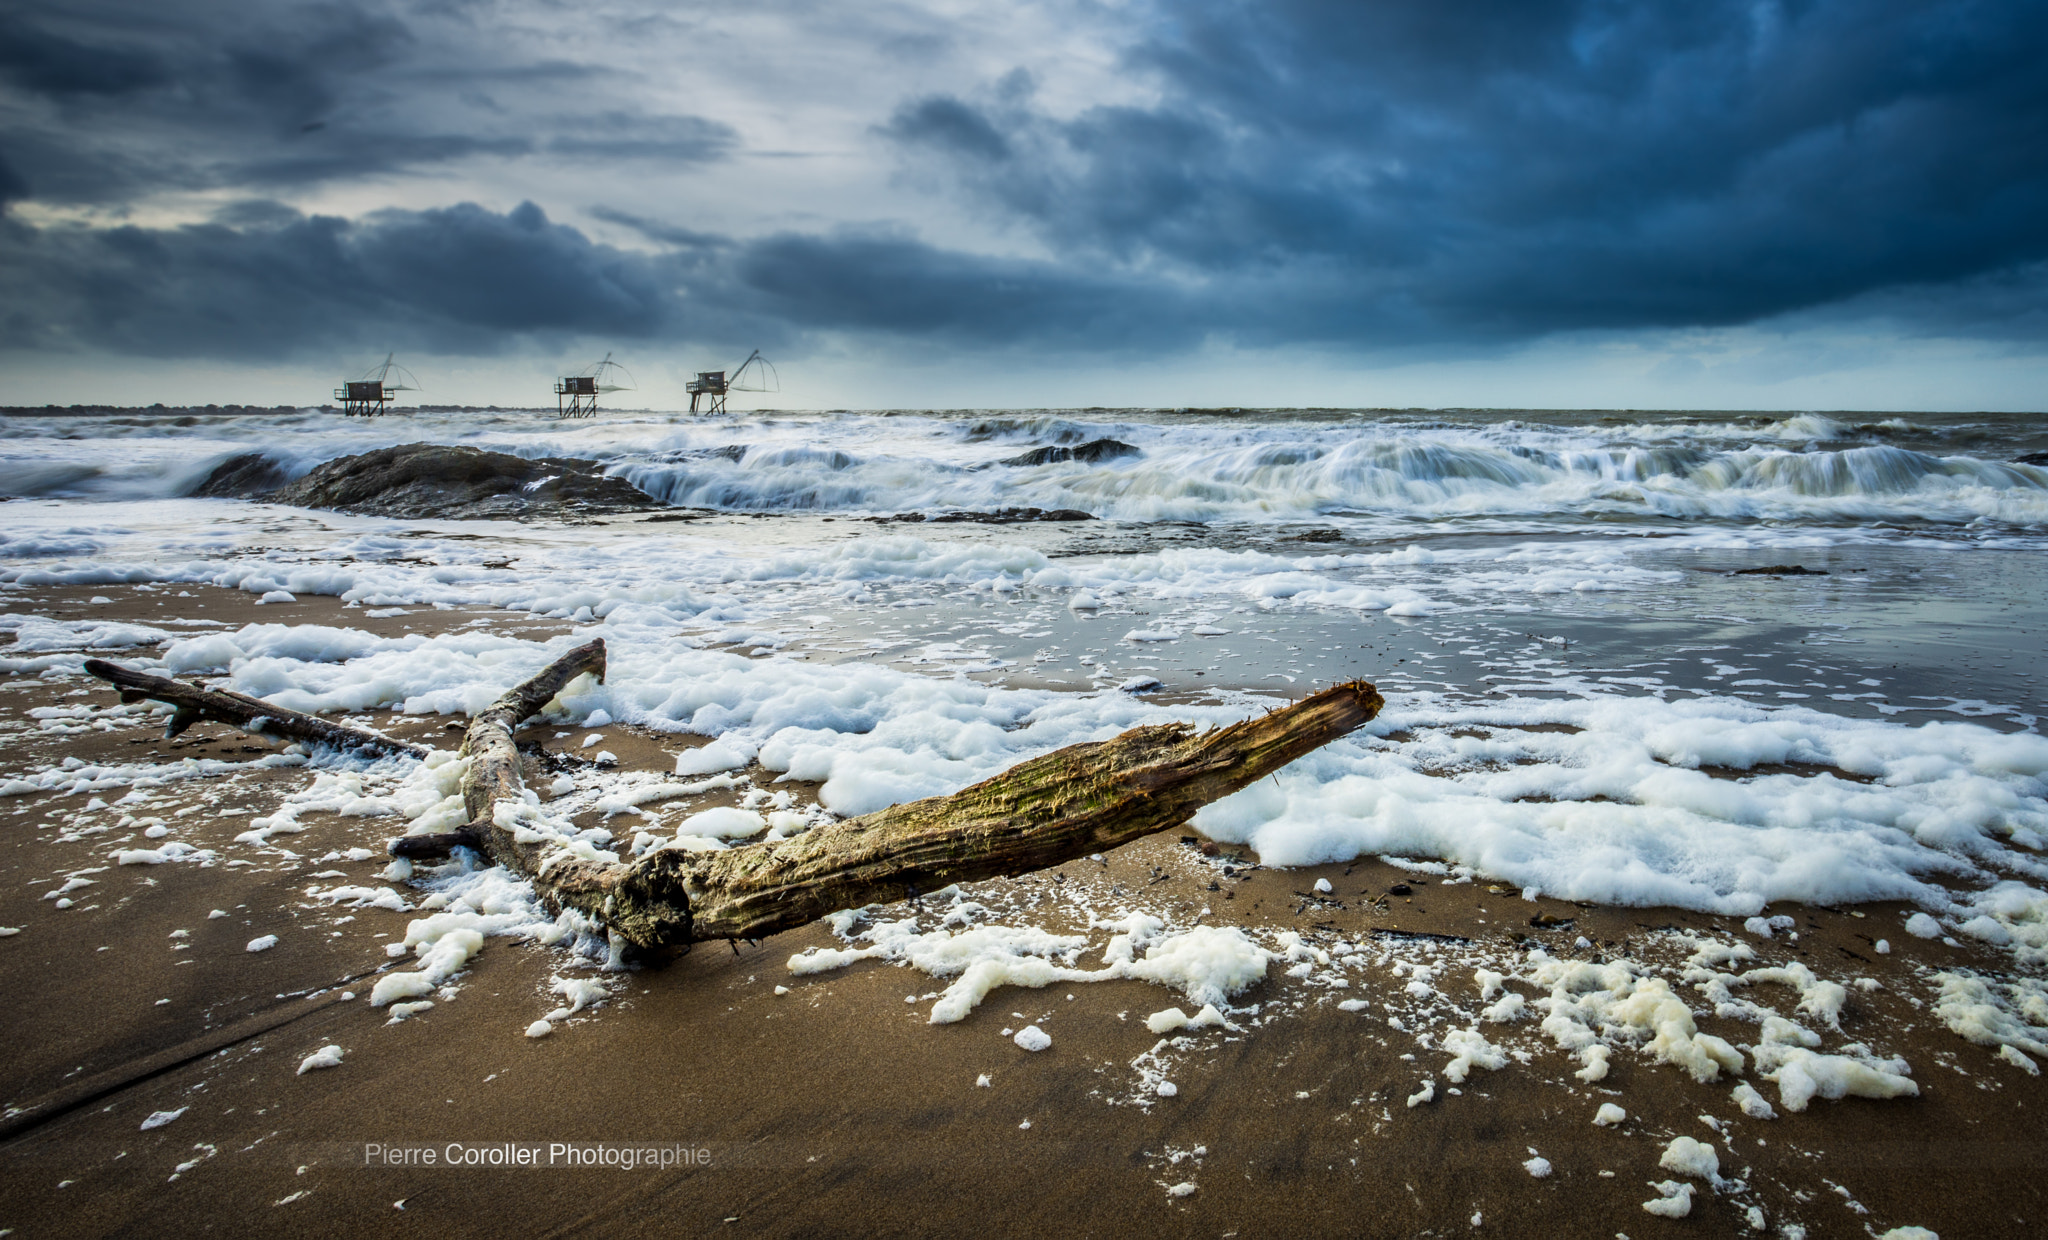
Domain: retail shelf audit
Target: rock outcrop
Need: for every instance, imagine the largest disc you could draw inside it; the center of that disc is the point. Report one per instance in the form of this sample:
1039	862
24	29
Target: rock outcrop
242	477
1088	453
438	480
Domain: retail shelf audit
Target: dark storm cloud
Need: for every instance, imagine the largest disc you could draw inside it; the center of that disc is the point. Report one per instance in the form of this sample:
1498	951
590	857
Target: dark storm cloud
263	281
52	64
895	285
660	232
12	186
107	100
275	283
950	126
1521	167
1404	173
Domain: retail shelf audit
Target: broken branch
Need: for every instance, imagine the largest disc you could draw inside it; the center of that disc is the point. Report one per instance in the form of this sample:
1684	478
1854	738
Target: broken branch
191	703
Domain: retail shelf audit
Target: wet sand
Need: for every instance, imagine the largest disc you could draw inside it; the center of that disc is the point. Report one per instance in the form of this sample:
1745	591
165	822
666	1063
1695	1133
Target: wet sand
837	1107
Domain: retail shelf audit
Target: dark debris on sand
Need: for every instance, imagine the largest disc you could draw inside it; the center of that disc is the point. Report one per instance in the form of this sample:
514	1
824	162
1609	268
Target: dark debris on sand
997	516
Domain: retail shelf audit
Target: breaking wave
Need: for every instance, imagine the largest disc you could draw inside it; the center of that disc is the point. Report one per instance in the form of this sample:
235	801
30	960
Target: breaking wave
1248	467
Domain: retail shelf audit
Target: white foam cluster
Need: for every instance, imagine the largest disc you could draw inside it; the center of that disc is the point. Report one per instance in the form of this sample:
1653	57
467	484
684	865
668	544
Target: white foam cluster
469	904
2009	914
1519	805
2012	1016
1593	1009
1208	964
1587	1001
332	792
41	634
1785	1055
73	777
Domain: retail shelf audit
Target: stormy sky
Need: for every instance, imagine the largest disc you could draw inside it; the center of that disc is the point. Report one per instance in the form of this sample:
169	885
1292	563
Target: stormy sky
1815	203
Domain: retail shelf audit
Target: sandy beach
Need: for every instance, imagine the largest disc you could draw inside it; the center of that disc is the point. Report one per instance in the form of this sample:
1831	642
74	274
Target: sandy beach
156	1083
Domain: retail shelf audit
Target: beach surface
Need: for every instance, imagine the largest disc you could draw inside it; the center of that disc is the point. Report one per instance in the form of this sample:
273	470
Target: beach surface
1709	790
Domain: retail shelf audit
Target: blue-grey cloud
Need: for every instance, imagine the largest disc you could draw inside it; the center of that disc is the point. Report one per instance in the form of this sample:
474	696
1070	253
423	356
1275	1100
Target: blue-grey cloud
1515	168
1411	174
12	185
617	134
275	283
949	125
110	100
854	282
263	281
50	63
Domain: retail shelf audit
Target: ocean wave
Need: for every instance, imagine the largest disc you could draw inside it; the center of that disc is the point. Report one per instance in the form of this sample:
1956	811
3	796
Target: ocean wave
1043	429
1398	477
1252	468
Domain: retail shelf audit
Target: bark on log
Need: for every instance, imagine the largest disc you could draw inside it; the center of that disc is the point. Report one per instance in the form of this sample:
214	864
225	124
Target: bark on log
192	703
1051	809
1054	808
494	775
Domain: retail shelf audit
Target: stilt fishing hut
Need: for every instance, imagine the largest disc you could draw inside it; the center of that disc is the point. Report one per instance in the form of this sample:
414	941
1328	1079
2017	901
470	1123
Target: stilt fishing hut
710	387
576	395
369	395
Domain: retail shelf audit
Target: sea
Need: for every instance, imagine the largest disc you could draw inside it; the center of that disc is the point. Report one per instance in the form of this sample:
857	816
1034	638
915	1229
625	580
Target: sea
1710	660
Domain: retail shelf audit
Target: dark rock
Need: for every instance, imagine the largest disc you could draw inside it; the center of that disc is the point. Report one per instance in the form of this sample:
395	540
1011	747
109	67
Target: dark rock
437	480
1011	516
1316	536
2031	458
999	516
242	477
1781	570
1088	453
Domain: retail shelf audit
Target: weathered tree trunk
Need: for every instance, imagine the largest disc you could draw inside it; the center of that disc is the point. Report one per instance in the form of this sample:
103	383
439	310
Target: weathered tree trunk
1075	801
1054	808
192	703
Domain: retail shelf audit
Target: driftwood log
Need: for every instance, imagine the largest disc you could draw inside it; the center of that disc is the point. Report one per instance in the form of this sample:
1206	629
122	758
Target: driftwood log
190	703
493	774
1063	805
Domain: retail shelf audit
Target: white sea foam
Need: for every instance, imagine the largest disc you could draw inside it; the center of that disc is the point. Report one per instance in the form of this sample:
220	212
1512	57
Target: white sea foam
1617	812
1208	964
1519	805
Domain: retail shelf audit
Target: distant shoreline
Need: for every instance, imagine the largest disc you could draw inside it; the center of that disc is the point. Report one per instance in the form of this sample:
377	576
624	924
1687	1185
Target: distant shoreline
1861	415
160	411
